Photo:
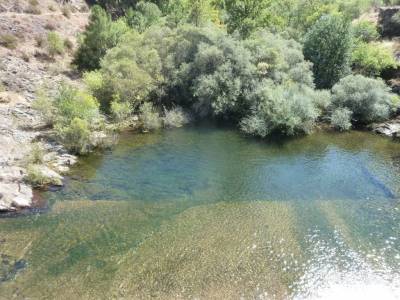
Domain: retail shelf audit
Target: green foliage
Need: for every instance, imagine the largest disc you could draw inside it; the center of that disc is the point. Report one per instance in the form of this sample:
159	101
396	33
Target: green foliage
100	35
174	117
71	103
327	45
120	111
36	155
365	31
75	136
372	58
369	100
37	178
55	45
149	117
74	115
341	119
145	15
9	41
44	105
287	110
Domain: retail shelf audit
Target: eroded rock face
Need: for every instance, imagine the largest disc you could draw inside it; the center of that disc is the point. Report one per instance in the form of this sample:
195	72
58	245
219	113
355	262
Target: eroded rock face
388	25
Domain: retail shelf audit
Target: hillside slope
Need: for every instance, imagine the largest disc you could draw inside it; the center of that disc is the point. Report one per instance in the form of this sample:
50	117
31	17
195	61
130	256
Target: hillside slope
25	66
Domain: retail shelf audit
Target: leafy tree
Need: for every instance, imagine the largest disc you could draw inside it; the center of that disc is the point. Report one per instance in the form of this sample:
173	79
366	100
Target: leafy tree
144	15
328	46
100	35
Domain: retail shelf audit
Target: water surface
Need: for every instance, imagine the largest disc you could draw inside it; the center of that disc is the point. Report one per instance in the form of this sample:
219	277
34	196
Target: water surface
204	212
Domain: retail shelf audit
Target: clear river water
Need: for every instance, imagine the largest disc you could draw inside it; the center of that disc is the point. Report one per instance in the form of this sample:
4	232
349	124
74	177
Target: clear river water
206	213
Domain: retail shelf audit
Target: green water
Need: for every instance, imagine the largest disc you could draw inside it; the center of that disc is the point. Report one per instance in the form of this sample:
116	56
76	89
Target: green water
206	213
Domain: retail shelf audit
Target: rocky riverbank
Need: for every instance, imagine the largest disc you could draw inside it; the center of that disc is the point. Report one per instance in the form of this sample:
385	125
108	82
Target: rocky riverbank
23	69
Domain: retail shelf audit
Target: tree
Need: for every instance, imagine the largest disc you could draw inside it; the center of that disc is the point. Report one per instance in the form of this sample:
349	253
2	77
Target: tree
100	35
145	15
328	46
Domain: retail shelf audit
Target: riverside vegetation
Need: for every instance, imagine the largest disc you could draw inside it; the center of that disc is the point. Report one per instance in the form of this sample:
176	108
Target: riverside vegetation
163	63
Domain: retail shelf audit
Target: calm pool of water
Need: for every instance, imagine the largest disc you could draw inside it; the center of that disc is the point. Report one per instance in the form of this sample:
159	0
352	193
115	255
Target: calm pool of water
206	213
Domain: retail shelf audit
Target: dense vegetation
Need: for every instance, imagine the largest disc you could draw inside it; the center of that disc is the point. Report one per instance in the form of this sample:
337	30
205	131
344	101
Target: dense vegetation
163	63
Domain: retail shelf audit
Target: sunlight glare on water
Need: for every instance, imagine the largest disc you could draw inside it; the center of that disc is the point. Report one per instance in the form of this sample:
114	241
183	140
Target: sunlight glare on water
340	273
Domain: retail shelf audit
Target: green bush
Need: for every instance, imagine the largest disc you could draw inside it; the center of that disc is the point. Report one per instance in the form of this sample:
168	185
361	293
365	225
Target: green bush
9	41
72	103
149	117
287	110
55	44
100	35
36	155
365	31
75	136
174	117
369	100
371	59
74	115
45	106
341	119
121	111
144	15
328	45
37	178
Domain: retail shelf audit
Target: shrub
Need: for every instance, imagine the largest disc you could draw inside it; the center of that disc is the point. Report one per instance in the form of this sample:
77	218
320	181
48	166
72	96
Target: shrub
365	31
149	117
341	119
371	59
100	35
68	44
44	105
55	45
75	136
174	117
33	2
287	110
120	111
37	178
368	99
36	155
72	103
52	8
144	15
66	11
50	26
33	9
327	45
9	41
39	41
25	57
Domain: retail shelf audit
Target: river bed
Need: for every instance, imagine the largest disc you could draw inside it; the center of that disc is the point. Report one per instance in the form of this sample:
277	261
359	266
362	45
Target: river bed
206	213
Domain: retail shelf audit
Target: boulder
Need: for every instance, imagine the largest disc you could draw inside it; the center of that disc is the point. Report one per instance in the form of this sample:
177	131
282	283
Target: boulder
389	26
15	195
390	128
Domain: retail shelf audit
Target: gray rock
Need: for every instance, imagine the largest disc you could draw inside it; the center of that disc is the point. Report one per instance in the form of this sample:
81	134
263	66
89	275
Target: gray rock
390	128
388	27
